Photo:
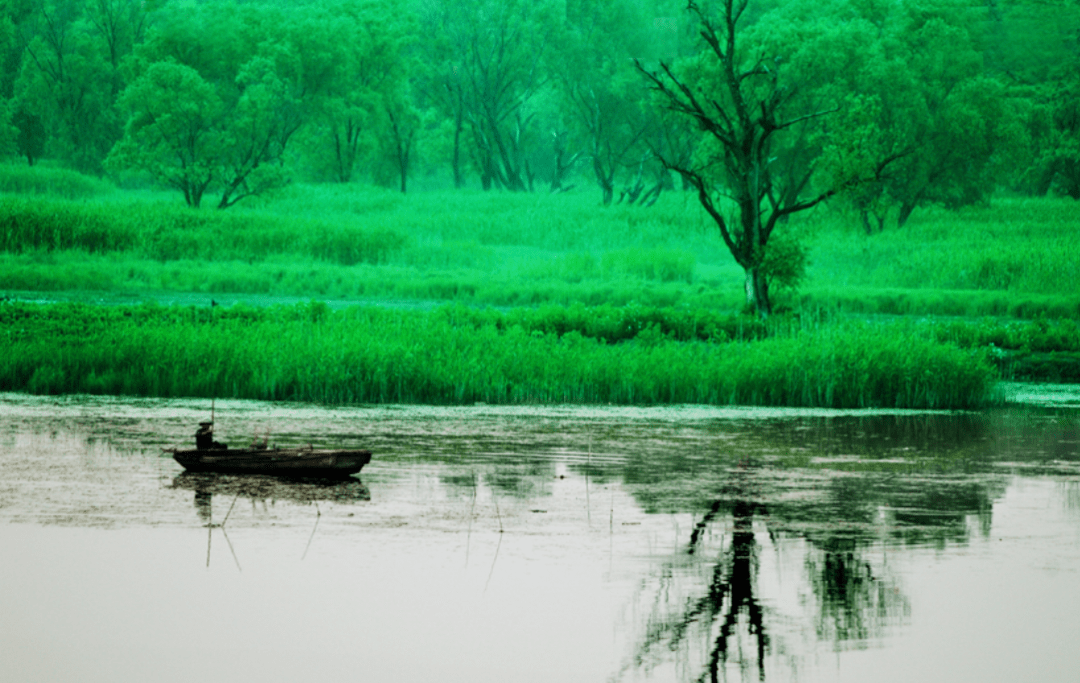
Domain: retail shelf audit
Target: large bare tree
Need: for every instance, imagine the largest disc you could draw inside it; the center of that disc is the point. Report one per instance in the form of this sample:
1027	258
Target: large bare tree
752	168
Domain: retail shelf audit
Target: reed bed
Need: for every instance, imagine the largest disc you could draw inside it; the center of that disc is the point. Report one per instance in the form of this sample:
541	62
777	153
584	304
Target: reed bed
161	232
20	178
373	355
894	301
1013	245
1015	258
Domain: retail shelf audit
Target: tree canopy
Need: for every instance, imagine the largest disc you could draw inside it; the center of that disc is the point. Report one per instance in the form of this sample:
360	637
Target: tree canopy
962	97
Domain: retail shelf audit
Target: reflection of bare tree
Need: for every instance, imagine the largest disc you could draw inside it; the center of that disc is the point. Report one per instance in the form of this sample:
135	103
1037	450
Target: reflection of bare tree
854	604
712	596
729	612
737	582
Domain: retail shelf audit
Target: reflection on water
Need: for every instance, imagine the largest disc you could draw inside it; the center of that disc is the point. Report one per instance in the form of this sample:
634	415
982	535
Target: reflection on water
260	487
265	490
707	598
674	544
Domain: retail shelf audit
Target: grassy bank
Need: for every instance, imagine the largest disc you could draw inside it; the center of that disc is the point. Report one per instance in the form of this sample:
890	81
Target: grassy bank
1016	258
452	356
554	299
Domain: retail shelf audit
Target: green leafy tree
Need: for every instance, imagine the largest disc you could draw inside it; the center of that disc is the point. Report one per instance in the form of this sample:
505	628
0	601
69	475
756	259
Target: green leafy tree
492	77
1058	134
120	26
171	132
256	134
920	121
1042	55
608	115
60	81
251	93
749	168
30	136
12	42
9	133
443	80
357	48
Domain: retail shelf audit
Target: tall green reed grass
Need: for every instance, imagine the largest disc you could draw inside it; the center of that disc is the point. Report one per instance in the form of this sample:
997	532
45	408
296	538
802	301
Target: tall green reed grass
44	180
1015	245
560	223
371	355
162	232
304	276
1016	258
939	302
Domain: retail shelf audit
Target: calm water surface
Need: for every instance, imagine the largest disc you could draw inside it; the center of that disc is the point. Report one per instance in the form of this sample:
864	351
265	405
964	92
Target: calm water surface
547	544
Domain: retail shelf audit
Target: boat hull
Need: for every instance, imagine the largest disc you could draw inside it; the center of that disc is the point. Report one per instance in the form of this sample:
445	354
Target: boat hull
281	462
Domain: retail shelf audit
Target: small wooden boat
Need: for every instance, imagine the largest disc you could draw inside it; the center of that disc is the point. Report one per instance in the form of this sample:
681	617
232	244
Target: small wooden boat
281	462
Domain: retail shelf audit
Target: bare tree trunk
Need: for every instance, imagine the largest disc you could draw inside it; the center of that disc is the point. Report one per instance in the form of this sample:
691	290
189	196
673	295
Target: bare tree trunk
605	178
757	292
906	208
459	126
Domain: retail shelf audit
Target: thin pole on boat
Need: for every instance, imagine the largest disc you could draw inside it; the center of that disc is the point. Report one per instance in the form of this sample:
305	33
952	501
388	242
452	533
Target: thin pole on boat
491	572
495	500
209	535
468	534
318	514
222	525
231	550
588	466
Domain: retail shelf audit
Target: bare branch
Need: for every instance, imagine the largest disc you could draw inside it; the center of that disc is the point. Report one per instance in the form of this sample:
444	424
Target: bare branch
806	117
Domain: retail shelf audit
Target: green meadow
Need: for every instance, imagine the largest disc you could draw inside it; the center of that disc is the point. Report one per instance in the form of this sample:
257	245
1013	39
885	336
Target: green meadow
460	297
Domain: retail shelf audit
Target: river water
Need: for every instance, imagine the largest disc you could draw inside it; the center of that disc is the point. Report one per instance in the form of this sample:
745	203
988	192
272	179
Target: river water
543	544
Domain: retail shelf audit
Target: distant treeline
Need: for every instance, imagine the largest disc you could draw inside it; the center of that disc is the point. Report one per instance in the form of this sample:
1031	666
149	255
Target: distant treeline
955	99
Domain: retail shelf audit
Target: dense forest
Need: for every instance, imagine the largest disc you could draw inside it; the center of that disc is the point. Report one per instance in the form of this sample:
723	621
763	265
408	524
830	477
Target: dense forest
934	101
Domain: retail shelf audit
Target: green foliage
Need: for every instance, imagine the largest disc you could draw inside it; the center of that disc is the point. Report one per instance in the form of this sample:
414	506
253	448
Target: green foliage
934	102
31	224
171	133
916	118
651	264
614	324
67	81
892	302
9	132
45	180
1016	245
30	136
785	261
1038	350
164	233
663	265
365	355
1016	258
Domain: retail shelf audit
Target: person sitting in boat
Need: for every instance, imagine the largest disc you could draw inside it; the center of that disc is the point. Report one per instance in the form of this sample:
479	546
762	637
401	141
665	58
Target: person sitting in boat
204	438
257	445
